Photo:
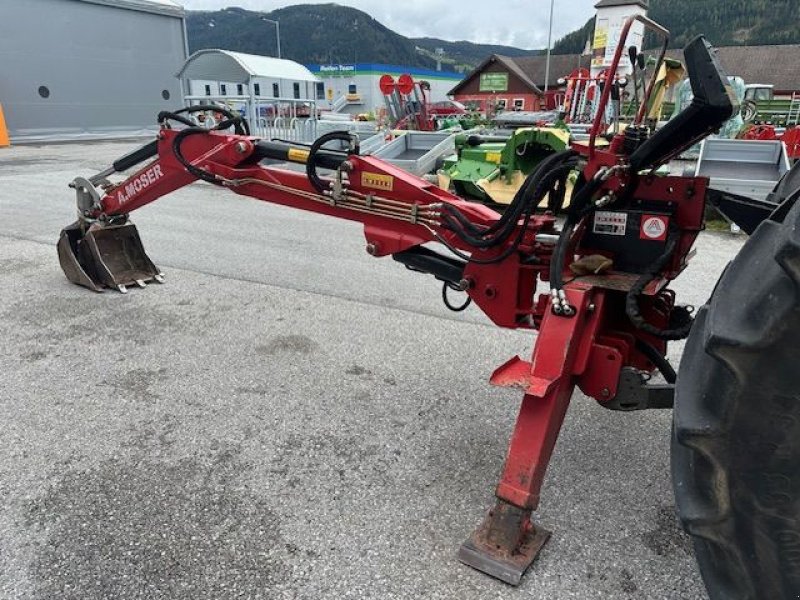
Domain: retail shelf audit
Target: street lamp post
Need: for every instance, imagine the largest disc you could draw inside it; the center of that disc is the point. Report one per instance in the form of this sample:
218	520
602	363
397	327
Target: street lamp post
549	46
277	32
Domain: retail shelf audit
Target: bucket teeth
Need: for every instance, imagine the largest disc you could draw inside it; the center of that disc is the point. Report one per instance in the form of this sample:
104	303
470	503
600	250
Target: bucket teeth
109	256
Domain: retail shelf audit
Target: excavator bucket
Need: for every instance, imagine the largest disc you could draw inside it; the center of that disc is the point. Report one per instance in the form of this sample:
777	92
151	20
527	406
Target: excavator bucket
109	256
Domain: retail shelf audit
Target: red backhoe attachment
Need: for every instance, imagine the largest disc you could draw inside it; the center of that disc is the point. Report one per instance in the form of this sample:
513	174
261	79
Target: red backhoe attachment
604	319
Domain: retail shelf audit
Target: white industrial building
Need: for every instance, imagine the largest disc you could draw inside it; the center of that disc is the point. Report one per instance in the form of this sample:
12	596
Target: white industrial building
277	96
226	74
354	87
82	69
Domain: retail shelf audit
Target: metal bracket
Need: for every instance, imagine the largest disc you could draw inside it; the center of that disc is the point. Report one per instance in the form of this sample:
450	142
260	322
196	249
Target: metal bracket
636	393
88	198
339	184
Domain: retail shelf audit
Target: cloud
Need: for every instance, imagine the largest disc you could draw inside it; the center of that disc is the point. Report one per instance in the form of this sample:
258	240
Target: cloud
522	23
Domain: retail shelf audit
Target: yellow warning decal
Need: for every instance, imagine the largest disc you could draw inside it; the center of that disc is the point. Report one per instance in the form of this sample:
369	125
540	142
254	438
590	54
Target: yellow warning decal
494	157
298	155
377	181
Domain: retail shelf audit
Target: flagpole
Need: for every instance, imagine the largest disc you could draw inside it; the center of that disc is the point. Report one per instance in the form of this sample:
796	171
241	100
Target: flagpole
549	45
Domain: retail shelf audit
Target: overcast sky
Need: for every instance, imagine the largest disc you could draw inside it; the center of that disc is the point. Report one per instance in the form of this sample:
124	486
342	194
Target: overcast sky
521	23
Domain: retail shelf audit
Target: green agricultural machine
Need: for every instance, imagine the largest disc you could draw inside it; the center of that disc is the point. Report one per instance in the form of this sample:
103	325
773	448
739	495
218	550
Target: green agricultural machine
490	169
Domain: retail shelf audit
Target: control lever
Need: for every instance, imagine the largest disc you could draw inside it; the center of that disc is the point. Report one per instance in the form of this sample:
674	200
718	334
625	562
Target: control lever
633	53
616	102
640	62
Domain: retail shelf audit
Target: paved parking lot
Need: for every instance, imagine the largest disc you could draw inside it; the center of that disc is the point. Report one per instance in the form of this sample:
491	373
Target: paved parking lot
286	418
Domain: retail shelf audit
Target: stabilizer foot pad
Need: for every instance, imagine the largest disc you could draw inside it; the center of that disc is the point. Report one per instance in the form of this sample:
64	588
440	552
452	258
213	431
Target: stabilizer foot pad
508	568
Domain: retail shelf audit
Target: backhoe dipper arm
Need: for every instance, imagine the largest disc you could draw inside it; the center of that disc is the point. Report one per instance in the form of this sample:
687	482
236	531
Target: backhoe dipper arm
400	213
404	208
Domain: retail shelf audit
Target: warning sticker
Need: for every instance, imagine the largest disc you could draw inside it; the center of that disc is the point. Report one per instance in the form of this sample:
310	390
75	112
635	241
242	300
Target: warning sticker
297	155
377	181
610	223
654	227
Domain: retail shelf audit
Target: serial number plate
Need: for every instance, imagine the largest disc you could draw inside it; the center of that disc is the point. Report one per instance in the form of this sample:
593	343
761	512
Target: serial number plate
610	223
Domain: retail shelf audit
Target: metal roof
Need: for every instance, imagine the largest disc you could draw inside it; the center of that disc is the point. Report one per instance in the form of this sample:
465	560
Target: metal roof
607	3
509	63
236	67
766	64
771	65
162	7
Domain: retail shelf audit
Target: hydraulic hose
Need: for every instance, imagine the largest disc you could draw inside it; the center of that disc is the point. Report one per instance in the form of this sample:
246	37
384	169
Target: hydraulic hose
682	320
238	123
311	161
543	184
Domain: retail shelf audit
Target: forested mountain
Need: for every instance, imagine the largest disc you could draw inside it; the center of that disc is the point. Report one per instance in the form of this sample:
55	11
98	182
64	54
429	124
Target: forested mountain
329	33
575	42
724	22
466	55
320	33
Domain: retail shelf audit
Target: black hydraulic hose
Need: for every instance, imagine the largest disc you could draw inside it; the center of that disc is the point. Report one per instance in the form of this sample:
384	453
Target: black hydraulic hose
236	122
239	123
518	204
311	162
449	286
557	195
539	193
632	299
177	142
526	200
491	261
660	361
542	188
508	220
580	207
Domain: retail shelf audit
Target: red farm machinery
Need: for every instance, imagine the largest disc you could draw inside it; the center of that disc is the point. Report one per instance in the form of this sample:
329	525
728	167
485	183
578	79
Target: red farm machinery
592	281
407	102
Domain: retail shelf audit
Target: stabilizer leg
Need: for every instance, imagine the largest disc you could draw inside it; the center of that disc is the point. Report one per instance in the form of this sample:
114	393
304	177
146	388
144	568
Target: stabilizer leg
507	542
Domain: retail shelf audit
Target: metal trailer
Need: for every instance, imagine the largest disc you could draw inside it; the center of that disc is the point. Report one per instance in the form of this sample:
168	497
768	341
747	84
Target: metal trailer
743	167
418	151
364	129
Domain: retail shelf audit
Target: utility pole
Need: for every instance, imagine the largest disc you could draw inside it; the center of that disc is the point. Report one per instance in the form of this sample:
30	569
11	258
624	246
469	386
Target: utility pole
277	32
549	45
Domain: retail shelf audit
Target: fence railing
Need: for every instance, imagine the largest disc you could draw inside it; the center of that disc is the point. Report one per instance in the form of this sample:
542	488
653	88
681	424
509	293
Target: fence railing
279	118
272	118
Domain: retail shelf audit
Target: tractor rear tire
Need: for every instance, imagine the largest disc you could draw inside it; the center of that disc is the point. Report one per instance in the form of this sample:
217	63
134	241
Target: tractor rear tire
736	438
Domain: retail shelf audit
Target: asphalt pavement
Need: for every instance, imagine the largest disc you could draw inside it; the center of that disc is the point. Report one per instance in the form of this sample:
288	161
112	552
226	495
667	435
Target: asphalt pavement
287	417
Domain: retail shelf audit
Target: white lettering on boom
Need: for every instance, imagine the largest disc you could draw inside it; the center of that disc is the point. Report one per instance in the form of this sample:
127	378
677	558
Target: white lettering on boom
139	183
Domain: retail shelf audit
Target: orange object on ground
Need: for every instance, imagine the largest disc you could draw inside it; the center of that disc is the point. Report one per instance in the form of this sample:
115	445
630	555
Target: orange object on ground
4	139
